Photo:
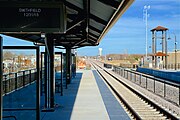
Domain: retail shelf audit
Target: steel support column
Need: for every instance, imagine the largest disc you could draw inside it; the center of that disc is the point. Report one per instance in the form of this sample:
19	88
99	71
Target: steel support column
74	65
68	65
1	76
37	86
41	72
45	78
50	46
49	77
61	74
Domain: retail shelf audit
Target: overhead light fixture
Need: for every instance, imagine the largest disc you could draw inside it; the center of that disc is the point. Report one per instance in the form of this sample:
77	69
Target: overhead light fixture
43	35
87	29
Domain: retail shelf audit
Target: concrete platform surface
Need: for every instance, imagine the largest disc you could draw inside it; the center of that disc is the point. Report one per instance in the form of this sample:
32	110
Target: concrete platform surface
86	98
81	101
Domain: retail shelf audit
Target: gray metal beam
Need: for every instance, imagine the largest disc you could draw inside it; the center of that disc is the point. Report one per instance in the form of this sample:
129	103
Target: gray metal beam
94	29
98	19
94	17
112	3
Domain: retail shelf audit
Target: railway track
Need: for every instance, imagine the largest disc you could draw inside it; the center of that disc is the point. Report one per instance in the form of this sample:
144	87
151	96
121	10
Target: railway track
140	107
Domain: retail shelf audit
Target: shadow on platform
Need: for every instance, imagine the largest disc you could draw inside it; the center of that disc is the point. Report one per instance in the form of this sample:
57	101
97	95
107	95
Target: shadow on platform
66	102
26	98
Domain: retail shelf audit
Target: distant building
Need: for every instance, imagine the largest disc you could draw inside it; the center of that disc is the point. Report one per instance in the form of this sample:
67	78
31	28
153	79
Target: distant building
7	63
161	64
171	57
100	51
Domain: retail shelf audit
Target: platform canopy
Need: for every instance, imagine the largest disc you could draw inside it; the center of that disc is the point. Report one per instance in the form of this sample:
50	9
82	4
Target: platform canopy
85	21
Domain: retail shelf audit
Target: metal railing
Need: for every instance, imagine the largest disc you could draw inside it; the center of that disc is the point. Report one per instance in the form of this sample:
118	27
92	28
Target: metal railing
164	88
16	80
9	117
170	66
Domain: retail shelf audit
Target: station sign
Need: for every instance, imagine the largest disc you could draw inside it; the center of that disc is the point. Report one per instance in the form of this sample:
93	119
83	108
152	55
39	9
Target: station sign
47	17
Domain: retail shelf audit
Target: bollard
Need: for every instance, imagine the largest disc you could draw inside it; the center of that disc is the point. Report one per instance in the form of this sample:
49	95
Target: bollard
29	76
123	72
146	82
140	75
154	86
9	83
127	74
23	78
164	90
5	80
179	95
16	83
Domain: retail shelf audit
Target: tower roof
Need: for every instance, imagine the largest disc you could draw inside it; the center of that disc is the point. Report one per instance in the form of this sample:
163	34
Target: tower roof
159	28
159	54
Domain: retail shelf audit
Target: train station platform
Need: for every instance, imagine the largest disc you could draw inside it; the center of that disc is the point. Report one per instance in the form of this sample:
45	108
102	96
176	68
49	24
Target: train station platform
86	98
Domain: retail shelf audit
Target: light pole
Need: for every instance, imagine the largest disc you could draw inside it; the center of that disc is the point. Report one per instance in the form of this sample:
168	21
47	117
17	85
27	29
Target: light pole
175	51
145	16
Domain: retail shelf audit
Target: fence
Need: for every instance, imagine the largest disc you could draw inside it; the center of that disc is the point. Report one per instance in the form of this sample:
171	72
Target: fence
14	81
170	66
164	88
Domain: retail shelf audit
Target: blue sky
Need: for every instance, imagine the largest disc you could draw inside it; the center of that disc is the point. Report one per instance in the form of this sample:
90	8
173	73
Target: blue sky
128	34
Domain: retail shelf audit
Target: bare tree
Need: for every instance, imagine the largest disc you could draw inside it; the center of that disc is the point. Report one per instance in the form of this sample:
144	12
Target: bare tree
7	55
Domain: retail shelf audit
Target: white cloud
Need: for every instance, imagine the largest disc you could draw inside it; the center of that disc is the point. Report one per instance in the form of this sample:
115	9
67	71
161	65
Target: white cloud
162	7
176	16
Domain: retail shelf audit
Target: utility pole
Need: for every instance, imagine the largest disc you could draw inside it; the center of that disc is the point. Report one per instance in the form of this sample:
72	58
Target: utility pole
145	16
175	51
